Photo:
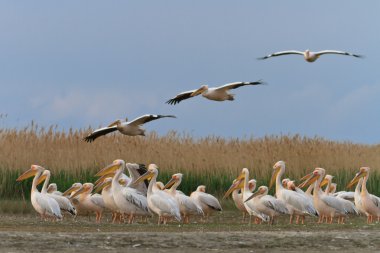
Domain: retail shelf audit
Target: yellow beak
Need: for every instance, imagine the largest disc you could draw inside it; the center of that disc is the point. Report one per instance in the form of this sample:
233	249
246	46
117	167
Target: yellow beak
273	178
252	196
310	179
70	190
108	170
102	185
27	174
170	183
81	190
147	175
237	184
324	182
356	179
41	179
102	178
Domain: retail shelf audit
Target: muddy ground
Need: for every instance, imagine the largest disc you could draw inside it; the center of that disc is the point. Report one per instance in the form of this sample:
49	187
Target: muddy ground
224	233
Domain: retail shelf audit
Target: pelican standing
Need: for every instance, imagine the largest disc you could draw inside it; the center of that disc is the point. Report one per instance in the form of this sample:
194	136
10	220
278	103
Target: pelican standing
107	195
296	203
43	204
206	201
159	202
369	205
310	56
216	93
131	128
187	205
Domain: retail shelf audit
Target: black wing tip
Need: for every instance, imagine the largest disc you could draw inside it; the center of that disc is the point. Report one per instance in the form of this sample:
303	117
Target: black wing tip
172	102
88	139
262	58
358	56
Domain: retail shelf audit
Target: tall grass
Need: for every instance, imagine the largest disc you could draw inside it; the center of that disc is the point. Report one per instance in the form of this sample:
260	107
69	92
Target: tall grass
212	161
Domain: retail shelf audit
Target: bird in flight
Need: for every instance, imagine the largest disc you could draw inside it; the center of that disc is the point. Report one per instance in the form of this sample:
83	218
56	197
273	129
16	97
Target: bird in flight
131	128
310	56
215	93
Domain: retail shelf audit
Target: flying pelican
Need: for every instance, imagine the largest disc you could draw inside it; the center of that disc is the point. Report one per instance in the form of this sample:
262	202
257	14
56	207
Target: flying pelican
370	205
43	204
206	201
249	205
297	204
216	93
90	202
238	197
310	56
266	204
159	202
63	202
326	205
187	205
131	128
129	200
53	189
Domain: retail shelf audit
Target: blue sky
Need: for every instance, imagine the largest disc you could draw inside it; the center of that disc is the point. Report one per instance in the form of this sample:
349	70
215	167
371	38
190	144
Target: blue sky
81	63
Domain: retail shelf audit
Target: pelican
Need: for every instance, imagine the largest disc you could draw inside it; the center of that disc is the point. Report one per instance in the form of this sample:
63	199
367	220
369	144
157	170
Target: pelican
216	93
296	203
310	56
290	185
370	205
266	204
187	205
206	201
129	200
326	205
131	128
43	204
63	202
238	197
159	202
53	189
249	205
109	201
90	202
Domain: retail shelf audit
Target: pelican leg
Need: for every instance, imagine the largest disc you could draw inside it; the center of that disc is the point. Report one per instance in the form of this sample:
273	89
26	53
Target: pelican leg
297	219
244	213
291	219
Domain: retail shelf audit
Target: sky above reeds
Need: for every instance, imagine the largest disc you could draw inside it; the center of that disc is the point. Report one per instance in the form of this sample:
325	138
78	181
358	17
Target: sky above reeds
81	63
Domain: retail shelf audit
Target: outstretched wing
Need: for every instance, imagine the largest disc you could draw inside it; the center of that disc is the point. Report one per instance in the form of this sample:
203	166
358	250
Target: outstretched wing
147	118
181	96
281	53
99	132
230	86
338	52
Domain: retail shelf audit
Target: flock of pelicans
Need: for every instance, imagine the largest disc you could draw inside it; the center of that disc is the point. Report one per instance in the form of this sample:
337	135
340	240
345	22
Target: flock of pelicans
140	195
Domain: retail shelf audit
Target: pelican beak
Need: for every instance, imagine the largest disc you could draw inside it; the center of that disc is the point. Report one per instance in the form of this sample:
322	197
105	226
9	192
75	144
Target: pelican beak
123	182
109	169
324	182
114	123
235	185
41	179
197	92
147	175
311	178
27	174
70	190
101	185
358	175
81	190
252	196
274	175
170	183
102	178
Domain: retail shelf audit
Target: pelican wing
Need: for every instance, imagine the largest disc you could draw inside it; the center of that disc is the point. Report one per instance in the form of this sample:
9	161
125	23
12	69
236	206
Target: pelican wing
235	85
337	52
334	203
376	200
181	96
136	198
147	118
99	132
64	203
298	201
275	204
281	53
210	201
345	195
166	203
188	203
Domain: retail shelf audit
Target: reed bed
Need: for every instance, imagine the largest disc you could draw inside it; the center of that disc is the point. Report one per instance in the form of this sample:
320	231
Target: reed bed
212	161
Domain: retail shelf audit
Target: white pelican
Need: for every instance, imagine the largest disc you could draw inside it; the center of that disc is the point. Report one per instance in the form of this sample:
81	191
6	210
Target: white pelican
43	204
131	128
238	197
310	56
216	93
129	201
296	203
267	204
327	206
206	201
187	205
63	202
53	189
249	205
109	202
370	205
90	202
159	202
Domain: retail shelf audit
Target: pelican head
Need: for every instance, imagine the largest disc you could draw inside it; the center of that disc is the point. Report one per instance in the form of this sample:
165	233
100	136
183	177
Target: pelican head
86	188
262	190
291	185
34	169
252	184
202	89
312	177
176	178
363	171
52	188
152	170
236	184
277	167
74	187
43	176
285	182
112	168
201	188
